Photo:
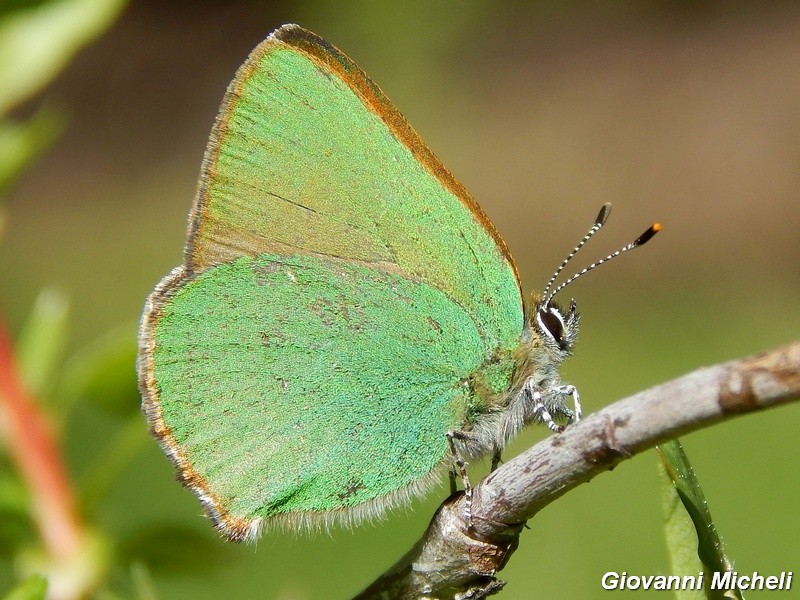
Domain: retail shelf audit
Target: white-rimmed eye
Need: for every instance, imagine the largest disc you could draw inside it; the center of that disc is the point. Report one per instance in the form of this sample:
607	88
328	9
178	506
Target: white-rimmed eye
551	323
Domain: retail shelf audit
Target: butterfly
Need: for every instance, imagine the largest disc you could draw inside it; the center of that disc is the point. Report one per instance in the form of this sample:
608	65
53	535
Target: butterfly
344	311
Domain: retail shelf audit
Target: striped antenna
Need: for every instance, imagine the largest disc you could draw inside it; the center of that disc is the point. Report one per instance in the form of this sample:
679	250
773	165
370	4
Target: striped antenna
601	219
640	241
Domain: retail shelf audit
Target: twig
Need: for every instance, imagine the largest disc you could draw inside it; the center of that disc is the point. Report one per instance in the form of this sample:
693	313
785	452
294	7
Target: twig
459	560
31	444
33	448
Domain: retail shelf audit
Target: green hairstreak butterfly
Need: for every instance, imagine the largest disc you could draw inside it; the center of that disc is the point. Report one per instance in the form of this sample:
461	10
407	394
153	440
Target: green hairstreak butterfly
344	308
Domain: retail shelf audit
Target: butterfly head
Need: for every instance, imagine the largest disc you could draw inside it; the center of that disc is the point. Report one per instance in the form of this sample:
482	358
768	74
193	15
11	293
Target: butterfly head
557	328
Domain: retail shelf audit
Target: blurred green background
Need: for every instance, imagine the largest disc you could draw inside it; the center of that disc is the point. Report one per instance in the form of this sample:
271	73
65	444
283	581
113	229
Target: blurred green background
687	113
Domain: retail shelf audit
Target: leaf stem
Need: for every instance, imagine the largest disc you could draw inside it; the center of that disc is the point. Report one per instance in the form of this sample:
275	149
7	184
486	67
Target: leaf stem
33	448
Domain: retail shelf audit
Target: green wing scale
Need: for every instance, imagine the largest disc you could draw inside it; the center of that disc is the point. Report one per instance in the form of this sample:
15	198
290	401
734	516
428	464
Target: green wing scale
338	289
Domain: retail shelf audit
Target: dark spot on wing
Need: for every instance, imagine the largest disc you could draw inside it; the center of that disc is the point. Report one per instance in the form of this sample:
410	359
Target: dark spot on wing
434	325
353	487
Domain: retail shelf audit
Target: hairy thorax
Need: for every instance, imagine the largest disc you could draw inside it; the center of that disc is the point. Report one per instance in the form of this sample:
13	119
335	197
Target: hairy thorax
501	402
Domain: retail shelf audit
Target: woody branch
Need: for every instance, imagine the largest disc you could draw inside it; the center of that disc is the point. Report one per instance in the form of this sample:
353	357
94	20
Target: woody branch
454	556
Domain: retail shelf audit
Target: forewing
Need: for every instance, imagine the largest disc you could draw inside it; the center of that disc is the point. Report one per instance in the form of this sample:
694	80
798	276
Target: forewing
309	157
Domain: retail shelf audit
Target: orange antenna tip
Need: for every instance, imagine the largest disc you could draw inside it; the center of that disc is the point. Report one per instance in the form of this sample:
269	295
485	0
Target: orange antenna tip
647	235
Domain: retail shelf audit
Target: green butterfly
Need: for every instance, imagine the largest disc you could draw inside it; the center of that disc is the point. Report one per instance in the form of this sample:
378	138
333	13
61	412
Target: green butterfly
343	305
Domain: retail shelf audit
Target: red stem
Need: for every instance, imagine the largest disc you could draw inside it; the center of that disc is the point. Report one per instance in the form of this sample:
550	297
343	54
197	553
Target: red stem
32	446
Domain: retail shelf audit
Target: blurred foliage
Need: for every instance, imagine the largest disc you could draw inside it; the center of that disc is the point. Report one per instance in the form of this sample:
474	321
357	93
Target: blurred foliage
103	230
100	376
17	528
39	350
101	373
37	40
692	539
22	142
33	588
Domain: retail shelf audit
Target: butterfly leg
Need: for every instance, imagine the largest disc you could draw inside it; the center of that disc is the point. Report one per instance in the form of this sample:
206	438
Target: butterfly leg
538	408
461	466
496	459
460	463
571	390
451	473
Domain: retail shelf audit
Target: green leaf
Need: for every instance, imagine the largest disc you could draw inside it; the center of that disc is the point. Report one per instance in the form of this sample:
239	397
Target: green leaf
21	143
104	373
174	549
692	538
112	462
72	575
18	528
41	344
33	588
143	582
38	40
681	537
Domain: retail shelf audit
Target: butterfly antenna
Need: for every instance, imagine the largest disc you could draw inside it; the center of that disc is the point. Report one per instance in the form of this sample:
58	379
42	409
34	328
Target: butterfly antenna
640	241
602	217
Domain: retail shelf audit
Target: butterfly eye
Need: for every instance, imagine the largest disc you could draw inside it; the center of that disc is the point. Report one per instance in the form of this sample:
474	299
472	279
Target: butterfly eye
552	323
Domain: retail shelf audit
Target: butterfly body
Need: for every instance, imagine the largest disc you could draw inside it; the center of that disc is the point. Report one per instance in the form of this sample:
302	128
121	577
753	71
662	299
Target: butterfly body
343	305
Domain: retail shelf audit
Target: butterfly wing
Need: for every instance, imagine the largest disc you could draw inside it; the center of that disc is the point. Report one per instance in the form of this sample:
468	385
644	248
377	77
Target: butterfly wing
309	157
300	386
338	288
